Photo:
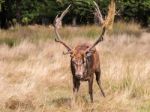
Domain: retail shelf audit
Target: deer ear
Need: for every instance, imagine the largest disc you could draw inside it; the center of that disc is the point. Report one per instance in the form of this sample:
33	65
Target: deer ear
89	53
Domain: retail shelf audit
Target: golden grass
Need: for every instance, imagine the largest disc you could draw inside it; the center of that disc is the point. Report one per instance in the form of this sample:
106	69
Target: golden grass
130	28
35	75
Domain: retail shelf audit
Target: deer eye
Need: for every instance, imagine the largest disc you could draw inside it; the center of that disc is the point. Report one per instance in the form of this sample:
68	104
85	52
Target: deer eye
73	61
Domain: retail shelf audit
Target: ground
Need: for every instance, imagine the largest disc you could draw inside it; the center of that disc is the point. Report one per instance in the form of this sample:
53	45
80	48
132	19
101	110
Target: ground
35	76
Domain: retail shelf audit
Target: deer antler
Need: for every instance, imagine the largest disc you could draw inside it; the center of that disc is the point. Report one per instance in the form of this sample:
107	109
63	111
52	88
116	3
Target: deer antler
105	24
98	12
101	37
57	25
101	20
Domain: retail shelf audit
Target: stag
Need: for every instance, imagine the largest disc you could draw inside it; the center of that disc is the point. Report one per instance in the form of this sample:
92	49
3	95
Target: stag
85	60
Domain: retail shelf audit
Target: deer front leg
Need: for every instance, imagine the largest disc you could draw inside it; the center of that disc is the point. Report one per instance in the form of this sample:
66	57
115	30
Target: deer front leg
76	86
90	82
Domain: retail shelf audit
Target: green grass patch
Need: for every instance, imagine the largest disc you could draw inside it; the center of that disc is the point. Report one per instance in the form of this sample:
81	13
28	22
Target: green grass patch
145	107
131	29
10	41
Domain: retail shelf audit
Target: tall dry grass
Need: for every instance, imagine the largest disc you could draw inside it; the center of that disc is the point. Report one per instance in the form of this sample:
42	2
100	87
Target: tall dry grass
35	75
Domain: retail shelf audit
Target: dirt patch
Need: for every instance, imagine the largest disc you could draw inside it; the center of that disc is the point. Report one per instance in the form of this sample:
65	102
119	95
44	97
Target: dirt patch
14	103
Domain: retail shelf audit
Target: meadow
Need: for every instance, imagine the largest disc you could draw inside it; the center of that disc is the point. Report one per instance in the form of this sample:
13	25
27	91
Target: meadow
35	76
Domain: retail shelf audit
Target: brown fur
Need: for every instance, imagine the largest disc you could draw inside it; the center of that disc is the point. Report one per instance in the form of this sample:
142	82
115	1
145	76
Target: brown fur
93	66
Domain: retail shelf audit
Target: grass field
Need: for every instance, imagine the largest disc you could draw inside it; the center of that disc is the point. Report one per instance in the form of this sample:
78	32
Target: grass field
35	76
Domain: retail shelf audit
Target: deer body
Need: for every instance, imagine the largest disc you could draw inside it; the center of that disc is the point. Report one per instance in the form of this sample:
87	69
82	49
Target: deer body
86	68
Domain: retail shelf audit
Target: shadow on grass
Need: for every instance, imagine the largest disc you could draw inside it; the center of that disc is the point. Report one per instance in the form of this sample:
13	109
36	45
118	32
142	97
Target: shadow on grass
62	102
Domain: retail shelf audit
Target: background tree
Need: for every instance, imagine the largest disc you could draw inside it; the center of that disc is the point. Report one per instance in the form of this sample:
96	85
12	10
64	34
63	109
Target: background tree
43	12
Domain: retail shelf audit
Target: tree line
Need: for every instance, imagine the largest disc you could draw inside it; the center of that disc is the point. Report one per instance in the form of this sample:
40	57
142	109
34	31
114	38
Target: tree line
44	11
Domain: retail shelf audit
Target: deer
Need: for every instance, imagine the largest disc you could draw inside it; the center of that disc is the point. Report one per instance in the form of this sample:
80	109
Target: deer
85	61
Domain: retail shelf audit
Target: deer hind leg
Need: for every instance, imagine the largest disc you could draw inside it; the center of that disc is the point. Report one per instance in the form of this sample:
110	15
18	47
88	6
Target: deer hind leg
99	82
90	82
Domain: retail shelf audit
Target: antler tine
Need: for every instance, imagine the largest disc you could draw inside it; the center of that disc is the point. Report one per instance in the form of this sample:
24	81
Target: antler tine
104	29
65	12
57	25
100	17
63	43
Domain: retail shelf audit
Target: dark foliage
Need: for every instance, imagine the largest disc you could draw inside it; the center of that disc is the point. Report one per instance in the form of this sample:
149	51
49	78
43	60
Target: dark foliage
44	11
